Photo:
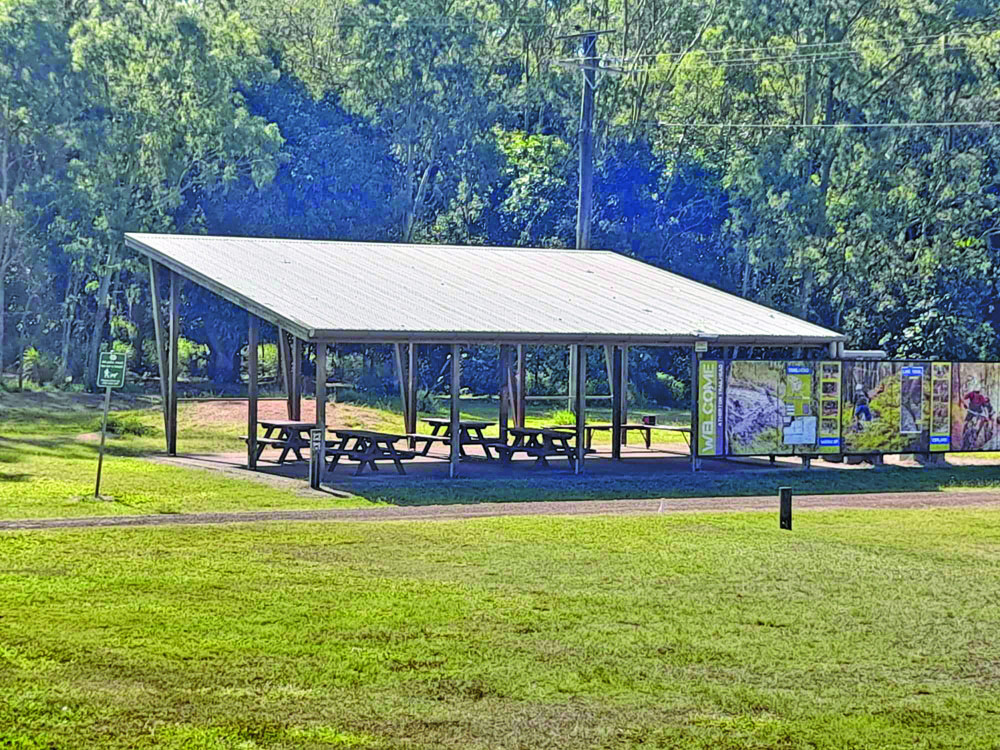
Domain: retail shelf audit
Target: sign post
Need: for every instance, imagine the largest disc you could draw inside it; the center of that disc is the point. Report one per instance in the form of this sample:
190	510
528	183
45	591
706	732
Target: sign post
317	449
785	511
110	374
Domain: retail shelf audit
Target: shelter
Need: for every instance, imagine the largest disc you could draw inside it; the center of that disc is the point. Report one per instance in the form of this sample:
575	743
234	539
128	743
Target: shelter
408	295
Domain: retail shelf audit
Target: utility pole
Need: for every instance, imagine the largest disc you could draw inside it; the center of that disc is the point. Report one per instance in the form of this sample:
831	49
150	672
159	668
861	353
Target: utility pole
585	202
585	199
590	65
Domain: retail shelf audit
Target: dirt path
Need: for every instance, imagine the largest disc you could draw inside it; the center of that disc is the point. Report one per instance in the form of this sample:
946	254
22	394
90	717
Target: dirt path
900	501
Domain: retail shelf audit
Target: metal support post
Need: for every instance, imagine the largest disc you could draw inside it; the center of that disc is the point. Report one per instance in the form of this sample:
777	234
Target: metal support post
617	401
456	430
252	346
580	403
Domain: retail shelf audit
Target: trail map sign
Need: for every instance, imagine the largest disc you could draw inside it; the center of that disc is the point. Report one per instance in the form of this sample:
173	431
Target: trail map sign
851	407
111	370
110	374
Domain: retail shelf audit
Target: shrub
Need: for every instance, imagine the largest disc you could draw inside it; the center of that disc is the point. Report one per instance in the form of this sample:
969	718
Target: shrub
562	416
38	367
192	358
348	396
674	390
123	423
427	402
267	360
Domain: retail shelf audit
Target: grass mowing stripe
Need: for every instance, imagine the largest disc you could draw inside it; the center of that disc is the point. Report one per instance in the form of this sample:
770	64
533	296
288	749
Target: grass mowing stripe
872	629
45	471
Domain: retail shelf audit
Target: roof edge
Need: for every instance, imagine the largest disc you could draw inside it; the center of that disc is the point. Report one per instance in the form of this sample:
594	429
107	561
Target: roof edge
331	336
296	327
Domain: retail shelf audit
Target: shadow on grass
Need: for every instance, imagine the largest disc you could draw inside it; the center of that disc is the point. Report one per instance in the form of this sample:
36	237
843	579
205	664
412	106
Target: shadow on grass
15	450
565	488
18	449
40	421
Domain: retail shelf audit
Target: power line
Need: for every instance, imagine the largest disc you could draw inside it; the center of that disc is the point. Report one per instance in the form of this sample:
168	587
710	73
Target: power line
747	62
829	126
915	41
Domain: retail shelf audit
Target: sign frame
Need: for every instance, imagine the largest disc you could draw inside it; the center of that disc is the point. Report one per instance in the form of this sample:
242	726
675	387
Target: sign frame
111	367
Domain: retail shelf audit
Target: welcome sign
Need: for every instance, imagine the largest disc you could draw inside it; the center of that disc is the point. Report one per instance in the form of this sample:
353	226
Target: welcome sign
710	429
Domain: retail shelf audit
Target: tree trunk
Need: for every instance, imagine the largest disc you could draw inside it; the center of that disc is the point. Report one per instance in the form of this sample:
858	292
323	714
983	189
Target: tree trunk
224	358
417	201
3	321
100	318
69	316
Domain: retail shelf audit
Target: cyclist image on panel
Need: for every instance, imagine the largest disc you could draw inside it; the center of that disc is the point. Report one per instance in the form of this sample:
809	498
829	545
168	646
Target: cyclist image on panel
978	428
862	407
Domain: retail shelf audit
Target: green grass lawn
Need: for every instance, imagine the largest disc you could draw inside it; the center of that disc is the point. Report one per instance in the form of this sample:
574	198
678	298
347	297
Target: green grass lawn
543	486
47	470
857	630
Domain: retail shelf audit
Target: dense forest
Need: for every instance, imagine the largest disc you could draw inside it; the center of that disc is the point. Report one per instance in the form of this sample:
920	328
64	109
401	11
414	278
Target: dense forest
803	153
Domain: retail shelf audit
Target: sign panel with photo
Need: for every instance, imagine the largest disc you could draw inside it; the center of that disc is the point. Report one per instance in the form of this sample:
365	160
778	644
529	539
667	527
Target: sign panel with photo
975	388
883	407
829	407
755	408
940	406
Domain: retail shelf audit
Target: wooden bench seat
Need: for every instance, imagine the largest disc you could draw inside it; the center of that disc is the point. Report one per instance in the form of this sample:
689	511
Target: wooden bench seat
285	445
645	429
427	440
267	441
377	455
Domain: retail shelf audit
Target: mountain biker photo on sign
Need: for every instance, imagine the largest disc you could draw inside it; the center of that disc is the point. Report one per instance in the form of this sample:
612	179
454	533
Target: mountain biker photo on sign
882	415
974	422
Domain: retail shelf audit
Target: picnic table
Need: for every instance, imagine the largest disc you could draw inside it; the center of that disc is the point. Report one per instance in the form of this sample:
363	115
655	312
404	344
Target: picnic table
645	429
470	432
286	434
366	447
541	443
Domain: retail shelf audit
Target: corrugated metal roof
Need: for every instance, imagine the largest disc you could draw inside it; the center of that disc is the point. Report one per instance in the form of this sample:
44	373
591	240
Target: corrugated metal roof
357	291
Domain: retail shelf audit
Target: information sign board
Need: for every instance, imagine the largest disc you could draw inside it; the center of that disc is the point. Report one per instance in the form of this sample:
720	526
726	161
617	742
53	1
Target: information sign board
111	370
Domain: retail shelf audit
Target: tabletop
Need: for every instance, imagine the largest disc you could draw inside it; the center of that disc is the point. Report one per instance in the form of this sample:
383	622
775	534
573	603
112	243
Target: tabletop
628	426
462	423
289	424
371	435
540	431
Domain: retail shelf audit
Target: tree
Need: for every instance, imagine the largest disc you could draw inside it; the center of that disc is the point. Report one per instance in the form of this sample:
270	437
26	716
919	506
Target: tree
165	120
36	102
335	179
416	70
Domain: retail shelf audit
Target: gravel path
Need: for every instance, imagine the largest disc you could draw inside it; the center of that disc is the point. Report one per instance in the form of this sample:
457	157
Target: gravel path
571	508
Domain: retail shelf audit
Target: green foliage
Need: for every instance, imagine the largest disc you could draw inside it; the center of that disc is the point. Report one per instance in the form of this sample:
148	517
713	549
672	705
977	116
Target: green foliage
458	122
267	360
427	402
562	416
38	367
671	391
124	423
191	357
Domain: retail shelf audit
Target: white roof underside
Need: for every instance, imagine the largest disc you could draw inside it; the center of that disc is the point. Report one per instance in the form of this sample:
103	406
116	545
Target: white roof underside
367	291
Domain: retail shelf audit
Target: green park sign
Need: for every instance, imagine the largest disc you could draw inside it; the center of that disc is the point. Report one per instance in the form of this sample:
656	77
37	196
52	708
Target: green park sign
111	370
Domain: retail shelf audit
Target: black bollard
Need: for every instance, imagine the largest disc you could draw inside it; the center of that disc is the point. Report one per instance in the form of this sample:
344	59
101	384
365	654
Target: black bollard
785	514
